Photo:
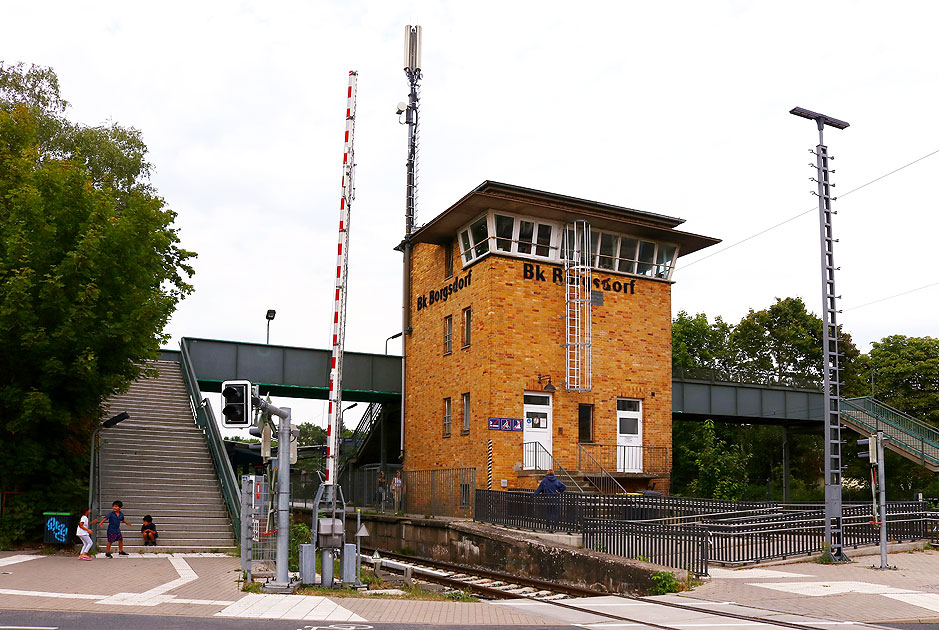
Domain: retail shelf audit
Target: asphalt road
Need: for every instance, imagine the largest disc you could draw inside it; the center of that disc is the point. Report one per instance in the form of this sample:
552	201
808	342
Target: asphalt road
49	620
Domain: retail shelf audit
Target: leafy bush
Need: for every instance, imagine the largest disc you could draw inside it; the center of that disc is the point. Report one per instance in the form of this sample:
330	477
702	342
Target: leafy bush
300	534
664	582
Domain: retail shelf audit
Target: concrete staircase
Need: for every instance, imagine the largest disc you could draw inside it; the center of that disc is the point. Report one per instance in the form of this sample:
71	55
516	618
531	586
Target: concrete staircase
157	462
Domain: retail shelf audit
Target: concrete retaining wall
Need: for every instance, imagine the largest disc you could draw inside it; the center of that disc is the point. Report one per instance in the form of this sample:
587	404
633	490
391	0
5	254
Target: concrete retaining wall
512	551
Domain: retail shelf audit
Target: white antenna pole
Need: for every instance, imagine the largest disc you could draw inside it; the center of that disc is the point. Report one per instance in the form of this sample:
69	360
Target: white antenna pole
342	269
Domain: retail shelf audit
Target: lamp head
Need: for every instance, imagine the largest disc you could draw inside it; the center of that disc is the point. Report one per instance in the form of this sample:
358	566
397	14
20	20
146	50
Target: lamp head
113	420
270	314
549	387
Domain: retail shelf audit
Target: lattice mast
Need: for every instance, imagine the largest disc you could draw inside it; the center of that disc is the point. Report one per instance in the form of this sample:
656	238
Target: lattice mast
412	69
831	366
342	275
577	316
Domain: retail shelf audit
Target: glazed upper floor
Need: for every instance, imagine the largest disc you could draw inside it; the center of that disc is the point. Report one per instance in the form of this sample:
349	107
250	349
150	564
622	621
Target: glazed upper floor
518	222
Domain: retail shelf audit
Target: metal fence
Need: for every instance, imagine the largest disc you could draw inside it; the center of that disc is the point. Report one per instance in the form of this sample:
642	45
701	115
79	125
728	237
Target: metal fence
681	548
624	459
747	538
568	510
438	492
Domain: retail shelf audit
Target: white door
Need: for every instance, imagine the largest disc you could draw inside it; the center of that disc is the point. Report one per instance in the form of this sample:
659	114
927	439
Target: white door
536	432
628	435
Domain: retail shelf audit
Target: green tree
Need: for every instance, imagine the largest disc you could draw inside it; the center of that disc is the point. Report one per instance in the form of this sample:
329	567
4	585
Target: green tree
90	272
697	343
722	468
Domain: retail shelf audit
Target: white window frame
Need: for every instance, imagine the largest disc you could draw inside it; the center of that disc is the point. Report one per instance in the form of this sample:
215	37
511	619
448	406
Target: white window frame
447	407
467	326
448	334
660	271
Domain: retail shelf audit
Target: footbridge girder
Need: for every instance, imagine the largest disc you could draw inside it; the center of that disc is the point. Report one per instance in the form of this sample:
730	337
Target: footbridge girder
293	372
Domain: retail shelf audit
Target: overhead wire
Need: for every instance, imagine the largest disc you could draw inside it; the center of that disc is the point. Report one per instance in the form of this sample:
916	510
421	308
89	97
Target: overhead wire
802	214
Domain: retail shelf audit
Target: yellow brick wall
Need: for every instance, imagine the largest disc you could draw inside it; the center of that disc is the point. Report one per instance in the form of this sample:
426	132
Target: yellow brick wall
517	332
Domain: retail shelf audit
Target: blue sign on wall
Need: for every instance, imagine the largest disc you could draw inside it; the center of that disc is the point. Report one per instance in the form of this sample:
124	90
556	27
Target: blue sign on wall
505	424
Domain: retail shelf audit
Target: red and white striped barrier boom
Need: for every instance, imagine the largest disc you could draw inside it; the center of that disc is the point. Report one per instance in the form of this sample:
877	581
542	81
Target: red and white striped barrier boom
342	267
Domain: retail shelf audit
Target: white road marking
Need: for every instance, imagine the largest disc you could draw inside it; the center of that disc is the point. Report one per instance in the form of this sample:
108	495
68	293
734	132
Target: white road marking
11	591
747	574
820	589
272	606
929	601
17	559
155	595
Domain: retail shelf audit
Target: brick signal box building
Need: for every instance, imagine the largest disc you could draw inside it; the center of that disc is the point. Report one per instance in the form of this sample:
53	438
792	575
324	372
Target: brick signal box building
542	323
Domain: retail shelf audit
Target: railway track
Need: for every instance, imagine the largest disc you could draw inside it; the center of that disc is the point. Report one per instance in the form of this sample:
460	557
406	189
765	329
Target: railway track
499	585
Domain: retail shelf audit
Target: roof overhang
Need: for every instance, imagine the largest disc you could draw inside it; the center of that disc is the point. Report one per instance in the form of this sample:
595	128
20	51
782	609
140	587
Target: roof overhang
561	208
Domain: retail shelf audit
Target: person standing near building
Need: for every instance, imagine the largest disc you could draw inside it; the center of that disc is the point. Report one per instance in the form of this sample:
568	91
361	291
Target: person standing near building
382	483
397	491
551	487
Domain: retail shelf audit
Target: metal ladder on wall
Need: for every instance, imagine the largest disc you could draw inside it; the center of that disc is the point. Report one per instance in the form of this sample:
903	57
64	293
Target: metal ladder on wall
577	259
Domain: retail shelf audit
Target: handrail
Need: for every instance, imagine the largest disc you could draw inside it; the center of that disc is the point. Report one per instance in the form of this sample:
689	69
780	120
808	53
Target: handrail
904	431
205	419
366	422
606	478
897	418
557	466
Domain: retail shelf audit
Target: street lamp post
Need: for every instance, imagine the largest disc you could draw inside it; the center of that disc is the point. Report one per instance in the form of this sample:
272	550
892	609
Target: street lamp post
107	424
831	366
394	336
270	316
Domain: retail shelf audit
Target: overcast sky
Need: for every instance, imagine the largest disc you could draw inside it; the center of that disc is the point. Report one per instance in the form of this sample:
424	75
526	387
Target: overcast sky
678	108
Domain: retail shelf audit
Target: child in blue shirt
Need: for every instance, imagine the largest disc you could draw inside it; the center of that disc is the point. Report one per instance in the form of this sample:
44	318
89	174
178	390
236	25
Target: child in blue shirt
114	520
149	531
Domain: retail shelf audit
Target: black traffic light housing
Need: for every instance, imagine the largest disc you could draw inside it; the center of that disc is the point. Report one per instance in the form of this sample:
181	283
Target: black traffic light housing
236	404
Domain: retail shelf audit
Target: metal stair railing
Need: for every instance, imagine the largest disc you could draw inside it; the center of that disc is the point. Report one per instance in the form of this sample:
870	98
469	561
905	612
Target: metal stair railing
362	430
535	452
205	419
607	483
916	438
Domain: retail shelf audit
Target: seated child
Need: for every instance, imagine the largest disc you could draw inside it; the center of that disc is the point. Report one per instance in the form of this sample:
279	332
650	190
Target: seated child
149	531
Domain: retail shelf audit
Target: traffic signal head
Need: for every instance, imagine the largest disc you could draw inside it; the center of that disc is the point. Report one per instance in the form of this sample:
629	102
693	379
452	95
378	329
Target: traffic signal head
236	404
871	445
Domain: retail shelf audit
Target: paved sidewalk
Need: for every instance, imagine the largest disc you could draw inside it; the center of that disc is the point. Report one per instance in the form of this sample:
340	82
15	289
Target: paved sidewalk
204	585
847	592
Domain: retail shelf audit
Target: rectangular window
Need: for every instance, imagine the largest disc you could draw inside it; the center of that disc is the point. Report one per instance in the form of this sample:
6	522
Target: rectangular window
467	321
607	251
544	240
480	233
448	260
627	254
526	233
467	249
466	412
447	334
446	417
664	259
504	228
646	258
585	424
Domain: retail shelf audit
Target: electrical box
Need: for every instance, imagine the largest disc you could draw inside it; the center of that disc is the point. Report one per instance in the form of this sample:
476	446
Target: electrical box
330	532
